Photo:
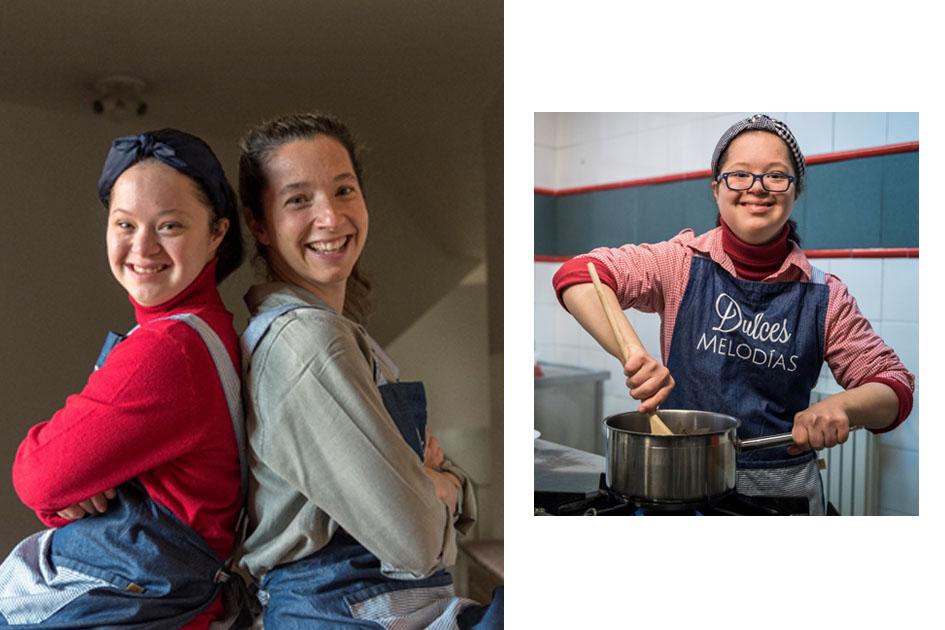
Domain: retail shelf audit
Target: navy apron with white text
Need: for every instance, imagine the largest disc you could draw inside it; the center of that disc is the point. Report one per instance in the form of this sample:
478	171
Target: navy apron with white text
751	350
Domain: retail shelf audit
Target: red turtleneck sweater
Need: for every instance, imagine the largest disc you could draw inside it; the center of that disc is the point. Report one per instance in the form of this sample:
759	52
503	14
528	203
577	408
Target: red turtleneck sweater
755	262
154	411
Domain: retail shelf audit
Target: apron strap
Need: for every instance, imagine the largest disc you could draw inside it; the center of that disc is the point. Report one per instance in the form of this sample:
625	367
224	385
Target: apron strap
112	339
230	381
817	276
259	326
233	390
385	370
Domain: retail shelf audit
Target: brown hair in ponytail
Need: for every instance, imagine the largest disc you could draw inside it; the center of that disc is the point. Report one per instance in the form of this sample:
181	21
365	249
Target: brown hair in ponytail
257	147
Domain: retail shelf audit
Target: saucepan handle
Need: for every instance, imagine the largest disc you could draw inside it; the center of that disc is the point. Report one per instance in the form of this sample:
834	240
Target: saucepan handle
770	441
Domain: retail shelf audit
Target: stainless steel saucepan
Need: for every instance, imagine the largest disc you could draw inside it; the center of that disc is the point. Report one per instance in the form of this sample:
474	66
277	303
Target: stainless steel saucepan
695	464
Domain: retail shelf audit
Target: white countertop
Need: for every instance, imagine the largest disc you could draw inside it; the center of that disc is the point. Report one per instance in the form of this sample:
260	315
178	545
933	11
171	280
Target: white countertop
561	468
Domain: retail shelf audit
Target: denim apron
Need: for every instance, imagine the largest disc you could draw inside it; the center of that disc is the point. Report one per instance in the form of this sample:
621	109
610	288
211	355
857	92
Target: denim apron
754	351
135	566
342	584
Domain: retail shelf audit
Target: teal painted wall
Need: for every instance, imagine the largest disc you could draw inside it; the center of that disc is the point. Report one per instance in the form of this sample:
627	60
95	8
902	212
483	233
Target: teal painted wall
867	202
545	224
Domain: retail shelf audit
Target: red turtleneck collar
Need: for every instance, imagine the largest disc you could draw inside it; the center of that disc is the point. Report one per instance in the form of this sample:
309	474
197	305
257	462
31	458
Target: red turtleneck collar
198	295
755	262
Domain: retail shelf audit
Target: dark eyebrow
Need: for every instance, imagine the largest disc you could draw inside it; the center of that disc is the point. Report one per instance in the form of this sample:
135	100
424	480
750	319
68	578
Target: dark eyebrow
161	213
300	185
745	166
292	186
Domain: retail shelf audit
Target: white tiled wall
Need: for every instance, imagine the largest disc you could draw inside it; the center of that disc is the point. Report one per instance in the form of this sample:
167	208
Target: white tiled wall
592	148
887	292
545	156
573	150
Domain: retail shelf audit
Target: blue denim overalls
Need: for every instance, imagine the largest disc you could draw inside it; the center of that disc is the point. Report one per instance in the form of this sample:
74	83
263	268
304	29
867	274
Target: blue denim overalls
341	584
751	350
135	566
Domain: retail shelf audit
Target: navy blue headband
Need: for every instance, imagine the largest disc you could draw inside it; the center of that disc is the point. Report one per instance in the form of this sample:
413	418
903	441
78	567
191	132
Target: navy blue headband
181	151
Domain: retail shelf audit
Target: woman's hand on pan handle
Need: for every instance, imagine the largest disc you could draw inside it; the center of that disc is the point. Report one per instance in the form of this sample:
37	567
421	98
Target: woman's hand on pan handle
95	504
648	380
822	425
447	486
827	423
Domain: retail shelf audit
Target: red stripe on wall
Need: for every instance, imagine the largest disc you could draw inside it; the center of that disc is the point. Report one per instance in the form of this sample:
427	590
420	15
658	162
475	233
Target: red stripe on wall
823	158
884	252
889	149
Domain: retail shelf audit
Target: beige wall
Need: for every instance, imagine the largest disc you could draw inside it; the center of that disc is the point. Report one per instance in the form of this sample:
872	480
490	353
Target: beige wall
58	297
448	350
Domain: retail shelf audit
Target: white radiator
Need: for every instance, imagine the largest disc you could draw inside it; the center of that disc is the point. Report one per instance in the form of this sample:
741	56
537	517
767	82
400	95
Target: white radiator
850	478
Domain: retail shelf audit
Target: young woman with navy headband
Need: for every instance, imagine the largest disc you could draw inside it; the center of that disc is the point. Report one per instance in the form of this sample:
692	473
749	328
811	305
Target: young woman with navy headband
139	474
353	514
747	321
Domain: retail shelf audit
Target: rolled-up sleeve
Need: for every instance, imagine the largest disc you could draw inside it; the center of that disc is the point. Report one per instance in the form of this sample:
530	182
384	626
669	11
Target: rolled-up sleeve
646	275
323	427
468	510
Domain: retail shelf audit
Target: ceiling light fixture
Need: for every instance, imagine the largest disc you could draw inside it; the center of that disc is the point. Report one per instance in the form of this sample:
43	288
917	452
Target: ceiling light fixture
119	97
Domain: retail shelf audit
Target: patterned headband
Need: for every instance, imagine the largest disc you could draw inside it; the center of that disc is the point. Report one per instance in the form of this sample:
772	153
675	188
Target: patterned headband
763	123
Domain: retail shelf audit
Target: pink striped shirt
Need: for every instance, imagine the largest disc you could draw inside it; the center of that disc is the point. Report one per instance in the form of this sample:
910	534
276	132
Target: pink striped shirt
653	277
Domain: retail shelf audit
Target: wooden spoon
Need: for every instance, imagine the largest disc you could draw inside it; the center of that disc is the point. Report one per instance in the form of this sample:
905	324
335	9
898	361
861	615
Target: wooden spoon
657	426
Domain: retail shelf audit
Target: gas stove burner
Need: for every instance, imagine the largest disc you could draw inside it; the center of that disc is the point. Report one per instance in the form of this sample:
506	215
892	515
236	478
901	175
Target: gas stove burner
605	503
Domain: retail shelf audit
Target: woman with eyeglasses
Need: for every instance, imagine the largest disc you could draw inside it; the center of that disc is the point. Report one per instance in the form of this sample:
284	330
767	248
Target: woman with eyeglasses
747	321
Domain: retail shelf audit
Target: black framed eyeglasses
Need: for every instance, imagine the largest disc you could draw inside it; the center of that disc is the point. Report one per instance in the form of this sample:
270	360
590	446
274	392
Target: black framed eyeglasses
771	182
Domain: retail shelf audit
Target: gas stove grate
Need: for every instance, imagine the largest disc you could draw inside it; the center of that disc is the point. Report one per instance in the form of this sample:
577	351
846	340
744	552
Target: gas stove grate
605	503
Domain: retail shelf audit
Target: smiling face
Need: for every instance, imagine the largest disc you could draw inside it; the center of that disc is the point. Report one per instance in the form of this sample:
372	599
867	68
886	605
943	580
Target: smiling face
159	236
316	220
755	215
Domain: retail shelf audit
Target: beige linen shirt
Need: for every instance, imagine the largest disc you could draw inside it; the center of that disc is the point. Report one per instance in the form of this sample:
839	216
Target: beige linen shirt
324	453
